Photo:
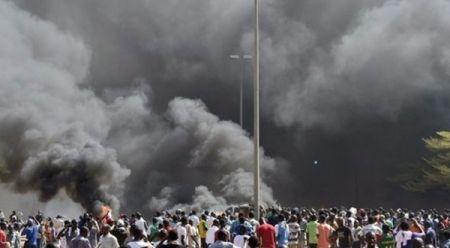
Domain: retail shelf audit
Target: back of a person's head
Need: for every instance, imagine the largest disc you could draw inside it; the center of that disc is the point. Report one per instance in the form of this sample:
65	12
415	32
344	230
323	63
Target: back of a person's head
242	230
340	222
222	235
370	238
241	219
253	242
222	222
183	220
262	220
322	218
386	229
162	234
404	226
313	217
106	228
371	219
172	235
446	234
84	231
294	218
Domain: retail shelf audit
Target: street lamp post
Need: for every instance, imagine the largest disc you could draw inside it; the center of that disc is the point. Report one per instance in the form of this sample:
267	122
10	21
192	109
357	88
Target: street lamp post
256	161
241	86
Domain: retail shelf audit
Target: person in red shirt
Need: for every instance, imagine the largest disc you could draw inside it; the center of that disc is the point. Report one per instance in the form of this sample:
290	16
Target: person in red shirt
266	234
3	242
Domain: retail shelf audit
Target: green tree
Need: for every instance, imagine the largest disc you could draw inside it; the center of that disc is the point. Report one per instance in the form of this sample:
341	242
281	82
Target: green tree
434	173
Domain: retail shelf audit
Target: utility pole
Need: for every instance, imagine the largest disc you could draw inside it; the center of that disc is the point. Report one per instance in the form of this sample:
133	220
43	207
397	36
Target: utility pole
256	161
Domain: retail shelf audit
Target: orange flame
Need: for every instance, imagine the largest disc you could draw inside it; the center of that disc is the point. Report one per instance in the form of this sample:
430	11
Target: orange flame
105	211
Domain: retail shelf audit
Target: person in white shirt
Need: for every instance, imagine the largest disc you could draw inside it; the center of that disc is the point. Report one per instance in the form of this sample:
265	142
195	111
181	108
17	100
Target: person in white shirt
182	232
210	219
193	236
193	216
241	239
107	240
221	241
139	240
211	233
370	228
141	224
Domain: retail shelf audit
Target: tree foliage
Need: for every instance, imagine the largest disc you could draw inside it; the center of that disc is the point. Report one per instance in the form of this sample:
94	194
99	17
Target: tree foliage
434	172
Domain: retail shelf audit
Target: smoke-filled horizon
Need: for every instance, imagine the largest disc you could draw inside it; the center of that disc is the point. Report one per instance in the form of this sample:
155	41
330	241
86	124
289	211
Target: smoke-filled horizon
137	101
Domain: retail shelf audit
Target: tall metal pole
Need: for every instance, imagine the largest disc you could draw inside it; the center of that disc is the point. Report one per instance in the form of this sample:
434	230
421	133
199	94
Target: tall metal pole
256	113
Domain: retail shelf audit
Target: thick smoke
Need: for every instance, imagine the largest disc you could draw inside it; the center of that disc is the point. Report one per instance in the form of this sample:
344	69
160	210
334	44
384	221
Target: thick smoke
352	84
392	55
52	130
189	152
55	131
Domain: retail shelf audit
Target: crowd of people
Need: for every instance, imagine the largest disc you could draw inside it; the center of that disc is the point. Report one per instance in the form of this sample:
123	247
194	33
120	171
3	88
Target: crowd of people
277	228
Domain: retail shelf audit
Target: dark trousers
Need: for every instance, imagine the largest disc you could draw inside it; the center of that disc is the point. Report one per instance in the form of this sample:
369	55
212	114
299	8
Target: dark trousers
203	241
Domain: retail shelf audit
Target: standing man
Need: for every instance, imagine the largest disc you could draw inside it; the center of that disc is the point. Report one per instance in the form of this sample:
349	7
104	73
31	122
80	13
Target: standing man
202	230
282	232
81	240
141	223
211	233
311	232
3	242
343	234
324	232
31	234
182	232
266	234
294	232
107	240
